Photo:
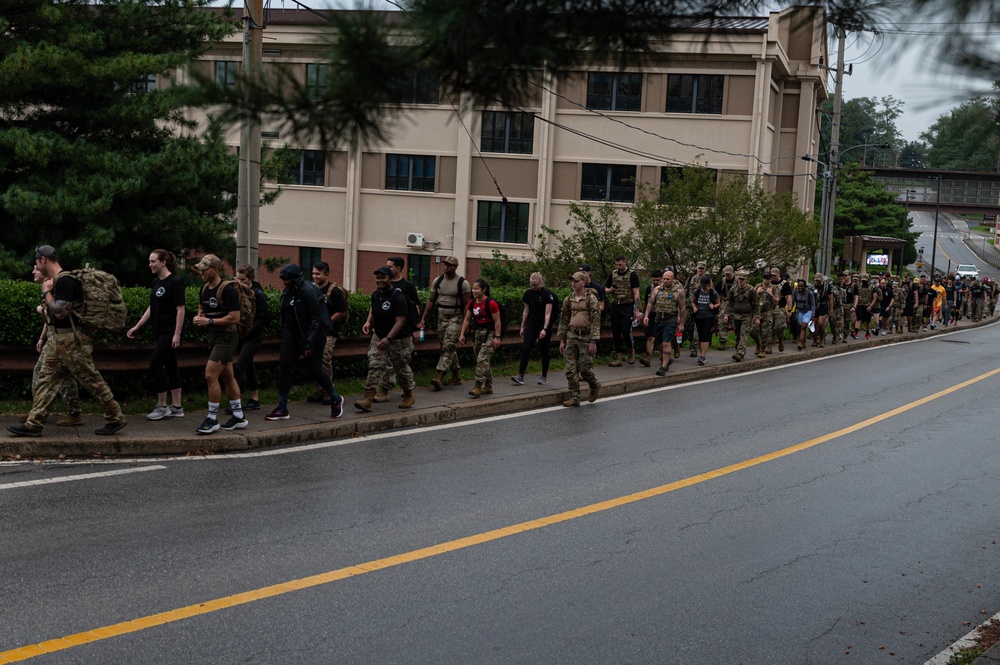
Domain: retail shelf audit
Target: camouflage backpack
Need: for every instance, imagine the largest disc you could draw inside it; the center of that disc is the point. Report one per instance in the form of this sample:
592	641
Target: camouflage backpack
102	307
248	304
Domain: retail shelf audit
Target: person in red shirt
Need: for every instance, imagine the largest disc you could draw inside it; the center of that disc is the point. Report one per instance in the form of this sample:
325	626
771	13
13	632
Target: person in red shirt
482	314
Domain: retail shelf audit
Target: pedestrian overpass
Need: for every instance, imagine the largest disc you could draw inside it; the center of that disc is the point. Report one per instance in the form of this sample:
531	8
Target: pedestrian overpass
959	191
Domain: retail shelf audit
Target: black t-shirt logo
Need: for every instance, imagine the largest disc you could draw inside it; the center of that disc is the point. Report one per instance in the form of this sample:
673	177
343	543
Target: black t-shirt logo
386	305
213	303
160	291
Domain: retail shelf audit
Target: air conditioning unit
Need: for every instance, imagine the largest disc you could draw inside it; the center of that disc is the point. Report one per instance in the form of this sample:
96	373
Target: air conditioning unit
414	239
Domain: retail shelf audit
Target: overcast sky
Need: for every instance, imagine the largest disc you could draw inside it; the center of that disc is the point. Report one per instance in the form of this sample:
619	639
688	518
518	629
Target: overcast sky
905	67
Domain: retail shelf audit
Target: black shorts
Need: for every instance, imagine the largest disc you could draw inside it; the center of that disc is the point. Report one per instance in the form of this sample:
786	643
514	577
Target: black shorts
864	314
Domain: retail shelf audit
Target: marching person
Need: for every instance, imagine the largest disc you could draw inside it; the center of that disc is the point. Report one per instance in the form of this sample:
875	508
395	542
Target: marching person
579	329
391	343
336	305
622	286
70	390
166	310
244	368
451	293
537	325
668	305
305	327
483	314
69	354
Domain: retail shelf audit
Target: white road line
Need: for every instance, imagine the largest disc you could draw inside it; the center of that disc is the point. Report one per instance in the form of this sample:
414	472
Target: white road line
82	476
271	452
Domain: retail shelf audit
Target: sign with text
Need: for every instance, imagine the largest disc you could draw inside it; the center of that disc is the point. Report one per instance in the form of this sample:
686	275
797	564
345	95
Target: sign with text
877	260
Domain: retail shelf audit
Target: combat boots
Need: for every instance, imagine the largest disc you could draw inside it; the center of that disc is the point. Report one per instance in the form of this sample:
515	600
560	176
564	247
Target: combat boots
781	343
71	420
365	403
631	356
438	381
408	399
738	356
769	350
477	390
455	380
645	359
758	350
381	396
488	388
617	362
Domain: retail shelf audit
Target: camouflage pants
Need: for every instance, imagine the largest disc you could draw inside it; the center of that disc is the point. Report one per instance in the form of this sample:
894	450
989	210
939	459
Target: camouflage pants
762	333
69	392
895	319
778	324
64	358
449	325
977	308
579	364
483	344
395	360
331	343
837	322
967	308
742	324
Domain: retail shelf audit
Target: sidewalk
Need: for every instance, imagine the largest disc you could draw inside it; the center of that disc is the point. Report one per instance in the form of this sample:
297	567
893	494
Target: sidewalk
311	422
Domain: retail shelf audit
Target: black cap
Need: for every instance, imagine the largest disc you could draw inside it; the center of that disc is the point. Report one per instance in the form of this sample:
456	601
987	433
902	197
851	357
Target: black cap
383	270
585	266
290	271
705	279
44	251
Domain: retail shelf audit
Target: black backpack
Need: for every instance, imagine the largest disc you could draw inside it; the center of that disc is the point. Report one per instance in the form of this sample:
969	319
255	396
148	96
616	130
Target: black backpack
504	321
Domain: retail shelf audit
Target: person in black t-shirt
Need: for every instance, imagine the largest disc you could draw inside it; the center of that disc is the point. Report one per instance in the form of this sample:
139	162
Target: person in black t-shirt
336	306
391	343
538	322
397	266
166	311
244	367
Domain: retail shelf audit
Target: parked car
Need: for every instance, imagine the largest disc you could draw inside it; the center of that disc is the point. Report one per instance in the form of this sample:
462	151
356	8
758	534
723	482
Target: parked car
968	271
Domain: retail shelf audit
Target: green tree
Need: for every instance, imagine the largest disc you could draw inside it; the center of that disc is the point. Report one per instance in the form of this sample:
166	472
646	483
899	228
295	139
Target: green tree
865	207
967	138
866	121
94	161
913	155
740	225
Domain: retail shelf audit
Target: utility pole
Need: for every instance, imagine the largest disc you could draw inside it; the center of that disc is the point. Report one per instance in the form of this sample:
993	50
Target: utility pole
826	250
248	197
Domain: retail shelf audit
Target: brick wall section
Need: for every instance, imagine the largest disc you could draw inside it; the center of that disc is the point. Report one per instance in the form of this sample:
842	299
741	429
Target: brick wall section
335	257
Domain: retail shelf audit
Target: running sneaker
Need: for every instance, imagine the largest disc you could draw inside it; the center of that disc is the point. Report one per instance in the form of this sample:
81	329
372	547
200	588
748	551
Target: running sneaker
337	407
854	335
159	413
933	326
701	360
235	423
277	414
543	380
868	335
251	405
176	411
110	428
210	425
518	379
661	372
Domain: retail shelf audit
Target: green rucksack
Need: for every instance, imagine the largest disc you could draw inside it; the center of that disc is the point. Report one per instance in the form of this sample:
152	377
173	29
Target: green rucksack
102	307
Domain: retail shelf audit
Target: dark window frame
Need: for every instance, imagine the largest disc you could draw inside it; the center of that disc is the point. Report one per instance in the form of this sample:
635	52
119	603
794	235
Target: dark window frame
497	221
420	270
227	72
410	173
417	85
608	182
310	171
509	132
614	91
695	93
308	257
317	79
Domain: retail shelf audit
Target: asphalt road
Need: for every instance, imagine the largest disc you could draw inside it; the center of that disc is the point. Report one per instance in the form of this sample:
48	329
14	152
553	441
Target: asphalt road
836	511
951	251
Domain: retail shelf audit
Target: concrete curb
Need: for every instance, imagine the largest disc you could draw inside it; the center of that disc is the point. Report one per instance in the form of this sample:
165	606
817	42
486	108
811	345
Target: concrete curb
76	444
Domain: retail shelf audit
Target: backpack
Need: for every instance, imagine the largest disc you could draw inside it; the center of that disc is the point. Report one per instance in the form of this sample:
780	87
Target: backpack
412	314
329	287
437	284
248	304
504	321
103	307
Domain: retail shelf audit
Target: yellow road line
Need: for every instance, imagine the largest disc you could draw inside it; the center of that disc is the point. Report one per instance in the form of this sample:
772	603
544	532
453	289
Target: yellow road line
136	625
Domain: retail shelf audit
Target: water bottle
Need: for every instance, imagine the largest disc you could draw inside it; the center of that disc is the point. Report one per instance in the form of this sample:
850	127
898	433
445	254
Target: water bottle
421	334
680	338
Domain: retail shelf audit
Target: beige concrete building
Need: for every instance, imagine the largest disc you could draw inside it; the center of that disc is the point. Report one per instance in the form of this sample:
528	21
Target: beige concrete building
742	96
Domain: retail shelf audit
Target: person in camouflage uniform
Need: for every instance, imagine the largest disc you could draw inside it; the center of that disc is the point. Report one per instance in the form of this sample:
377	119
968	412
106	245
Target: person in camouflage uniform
779	315
977	300
896	312
837	313
482	315
392	341
451	293
70	390
762	331
579	329
739	308
726	282
69	354
666	312
692	286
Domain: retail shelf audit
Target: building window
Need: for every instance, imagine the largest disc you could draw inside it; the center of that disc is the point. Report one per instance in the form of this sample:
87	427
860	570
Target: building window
417	86
608	91
308	257
695	93
608	182
420	270
310	169
414	173
504	131
316	80
502	222
226	73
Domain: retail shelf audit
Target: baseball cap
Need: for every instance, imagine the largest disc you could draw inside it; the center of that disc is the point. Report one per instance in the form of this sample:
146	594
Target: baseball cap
451	260
290	271
701	264
209	261
579	276
585	266
383	270
44	251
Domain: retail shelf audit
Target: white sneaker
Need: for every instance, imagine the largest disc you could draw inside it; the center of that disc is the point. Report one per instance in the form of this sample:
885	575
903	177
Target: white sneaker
176	412
159	413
